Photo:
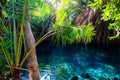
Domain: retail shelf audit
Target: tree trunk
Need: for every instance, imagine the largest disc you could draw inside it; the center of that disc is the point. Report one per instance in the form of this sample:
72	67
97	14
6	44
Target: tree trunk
16	75
32	64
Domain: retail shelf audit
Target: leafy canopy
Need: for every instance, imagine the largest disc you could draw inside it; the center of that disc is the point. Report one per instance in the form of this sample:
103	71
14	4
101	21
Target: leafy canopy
69	33
110	12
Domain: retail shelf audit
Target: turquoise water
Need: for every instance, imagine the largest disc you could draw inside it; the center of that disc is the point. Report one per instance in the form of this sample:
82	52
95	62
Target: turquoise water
79	62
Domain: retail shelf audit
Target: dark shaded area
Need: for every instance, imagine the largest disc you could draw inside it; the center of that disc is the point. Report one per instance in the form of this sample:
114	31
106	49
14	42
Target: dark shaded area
74	78
109	54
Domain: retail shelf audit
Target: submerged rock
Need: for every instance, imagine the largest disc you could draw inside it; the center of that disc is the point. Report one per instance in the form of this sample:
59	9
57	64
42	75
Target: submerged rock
74	78
116	78
79	63
64	71
85	75
46	77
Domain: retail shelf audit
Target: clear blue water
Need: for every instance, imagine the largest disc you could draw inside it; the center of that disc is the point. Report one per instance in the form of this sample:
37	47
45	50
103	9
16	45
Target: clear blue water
79	62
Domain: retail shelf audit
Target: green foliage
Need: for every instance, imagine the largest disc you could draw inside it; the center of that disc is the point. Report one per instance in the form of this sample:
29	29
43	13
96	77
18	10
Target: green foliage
61	14
63	22
110	12
2	62
97	4
11	40
39	23
62	29
14	10
69	33
42	17
76	7
42	9
88	33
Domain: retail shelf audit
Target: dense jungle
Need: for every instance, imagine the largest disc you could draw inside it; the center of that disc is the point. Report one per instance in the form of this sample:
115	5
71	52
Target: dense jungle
59	40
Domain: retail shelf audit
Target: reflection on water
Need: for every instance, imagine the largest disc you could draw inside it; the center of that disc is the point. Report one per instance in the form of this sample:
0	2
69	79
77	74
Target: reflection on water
78	62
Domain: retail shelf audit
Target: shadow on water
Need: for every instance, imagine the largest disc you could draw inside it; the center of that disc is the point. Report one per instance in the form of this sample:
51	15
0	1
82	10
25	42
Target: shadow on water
81	61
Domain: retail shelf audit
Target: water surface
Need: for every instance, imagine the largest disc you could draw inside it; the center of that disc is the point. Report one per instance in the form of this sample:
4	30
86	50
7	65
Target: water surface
78	62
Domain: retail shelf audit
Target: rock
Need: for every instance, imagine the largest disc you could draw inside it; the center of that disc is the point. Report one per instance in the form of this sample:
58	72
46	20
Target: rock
93	79
64	71
115	78
45	77
74	78
85	75
102	78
